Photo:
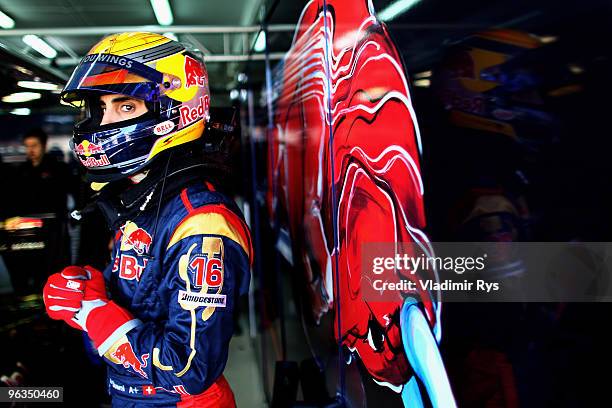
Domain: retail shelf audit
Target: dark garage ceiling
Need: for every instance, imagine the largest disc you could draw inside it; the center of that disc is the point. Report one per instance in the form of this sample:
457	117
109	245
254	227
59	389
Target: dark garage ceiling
30	15
419	33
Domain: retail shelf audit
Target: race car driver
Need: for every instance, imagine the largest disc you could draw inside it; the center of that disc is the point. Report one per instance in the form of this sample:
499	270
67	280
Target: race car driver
161	313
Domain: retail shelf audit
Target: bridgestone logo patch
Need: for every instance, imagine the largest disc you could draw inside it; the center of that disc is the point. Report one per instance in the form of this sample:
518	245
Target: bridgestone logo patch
198	299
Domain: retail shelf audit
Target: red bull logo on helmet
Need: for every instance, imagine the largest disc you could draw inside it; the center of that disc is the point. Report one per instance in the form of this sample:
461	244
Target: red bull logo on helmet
135	238
194	73
86	148
124	354
93	162
190	115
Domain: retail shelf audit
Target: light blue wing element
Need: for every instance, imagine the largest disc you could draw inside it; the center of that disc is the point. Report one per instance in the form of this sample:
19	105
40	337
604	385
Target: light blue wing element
423	355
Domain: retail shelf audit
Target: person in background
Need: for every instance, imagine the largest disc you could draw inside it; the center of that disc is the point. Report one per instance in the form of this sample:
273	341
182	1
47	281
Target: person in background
39	194
45	181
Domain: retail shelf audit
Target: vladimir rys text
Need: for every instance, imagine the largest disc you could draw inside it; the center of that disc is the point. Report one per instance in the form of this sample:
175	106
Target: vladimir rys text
410	265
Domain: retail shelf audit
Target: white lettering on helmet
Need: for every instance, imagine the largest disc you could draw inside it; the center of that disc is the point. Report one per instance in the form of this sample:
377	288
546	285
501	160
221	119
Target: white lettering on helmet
163	128
113	59
93	162
190	115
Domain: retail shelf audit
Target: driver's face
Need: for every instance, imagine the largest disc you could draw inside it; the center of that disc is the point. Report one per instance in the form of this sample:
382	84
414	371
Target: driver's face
117	108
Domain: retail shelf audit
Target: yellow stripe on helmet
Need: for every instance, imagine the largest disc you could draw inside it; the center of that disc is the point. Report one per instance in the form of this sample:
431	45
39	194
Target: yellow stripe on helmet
128	43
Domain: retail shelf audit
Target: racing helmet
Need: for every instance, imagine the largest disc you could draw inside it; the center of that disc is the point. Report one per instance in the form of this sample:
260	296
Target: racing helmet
169	78
491	82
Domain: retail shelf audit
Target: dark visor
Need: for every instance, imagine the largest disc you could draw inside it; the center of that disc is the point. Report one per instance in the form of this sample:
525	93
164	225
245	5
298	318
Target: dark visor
113	74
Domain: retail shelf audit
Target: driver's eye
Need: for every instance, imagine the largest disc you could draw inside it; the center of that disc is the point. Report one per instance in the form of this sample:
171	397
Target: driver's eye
127	108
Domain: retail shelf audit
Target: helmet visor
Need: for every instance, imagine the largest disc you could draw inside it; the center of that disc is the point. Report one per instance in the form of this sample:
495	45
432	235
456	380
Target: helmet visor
112	74
117	150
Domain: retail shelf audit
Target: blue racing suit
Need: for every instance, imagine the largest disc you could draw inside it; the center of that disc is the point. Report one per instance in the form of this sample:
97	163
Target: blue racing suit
180	273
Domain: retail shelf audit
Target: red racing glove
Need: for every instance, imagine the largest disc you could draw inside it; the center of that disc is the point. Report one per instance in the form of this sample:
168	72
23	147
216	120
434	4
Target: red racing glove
104	321
63	294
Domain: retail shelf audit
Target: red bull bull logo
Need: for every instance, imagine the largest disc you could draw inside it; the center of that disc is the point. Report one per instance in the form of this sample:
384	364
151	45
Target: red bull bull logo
86	148
194	73
124	354
135	238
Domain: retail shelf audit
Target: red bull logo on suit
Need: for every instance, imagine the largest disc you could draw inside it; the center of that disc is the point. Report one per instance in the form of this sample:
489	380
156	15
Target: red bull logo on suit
125	355
135	238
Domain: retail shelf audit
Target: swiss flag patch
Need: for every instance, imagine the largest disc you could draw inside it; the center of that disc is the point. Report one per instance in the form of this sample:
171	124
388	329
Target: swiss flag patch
148	390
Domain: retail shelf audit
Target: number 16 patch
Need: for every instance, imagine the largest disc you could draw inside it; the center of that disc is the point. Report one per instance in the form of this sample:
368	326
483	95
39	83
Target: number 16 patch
206	267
